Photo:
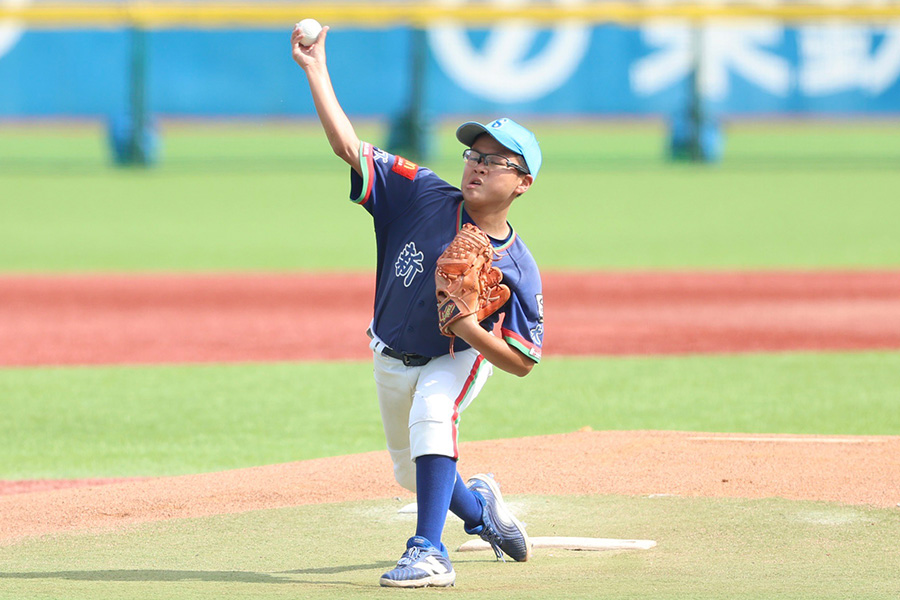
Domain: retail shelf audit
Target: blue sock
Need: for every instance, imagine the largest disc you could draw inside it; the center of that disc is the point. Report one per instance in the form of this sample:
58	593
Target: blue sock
465	505
435	477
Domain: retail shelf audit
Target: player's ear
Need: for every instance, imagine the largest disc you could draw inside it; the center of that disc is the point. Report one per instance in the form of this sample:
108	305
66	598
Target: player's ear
524	184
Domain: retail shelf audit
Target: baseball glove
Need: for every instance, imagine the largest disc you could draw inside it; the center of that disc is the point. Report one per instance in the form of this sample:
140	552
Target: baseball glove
466	281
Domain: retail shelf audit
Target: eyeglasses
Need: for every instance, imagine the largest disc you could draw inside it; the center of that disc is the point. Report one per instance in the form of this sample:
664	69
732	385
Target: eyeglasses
491	161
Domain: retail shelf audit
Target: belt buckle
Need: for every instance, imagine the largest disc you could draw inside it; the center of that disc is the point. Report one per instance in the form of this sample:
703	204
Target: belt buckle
407	360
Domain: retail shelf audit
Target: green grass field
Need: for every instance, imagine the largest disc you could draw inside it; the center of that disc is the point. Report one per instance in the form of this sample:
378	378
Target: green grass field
269	197
164	420
736	549
272	197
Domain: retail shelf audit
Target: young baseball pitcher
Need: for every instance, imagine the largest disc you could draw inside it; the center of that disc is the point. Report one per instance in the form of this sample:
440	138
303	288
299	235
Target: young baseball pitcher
448	266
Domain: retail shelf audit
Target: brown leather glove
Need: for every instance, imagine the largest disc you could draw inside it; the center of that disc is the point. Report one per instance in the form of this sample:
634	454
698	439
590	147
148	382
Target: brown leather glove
466	281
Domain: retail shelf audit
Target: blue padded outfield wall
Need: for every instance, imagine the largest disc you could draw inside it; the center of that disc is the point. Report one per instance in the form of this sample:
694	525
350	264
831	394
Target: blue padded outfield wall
748	68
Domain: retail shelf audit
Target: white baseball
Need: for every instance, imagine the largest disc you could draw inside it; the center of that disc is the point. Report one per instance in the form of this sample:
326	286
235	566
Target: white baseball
310	29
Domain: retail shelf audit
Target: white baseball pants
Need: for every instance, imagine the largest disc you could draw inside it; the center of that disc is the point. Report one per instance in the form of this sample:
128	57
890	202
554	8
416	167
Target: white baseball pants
421	406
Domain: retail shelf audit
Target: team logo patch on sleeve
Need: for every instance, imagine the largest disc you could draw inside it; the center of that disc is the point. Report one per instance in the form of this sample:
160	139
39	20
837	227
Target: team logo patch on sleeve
405	168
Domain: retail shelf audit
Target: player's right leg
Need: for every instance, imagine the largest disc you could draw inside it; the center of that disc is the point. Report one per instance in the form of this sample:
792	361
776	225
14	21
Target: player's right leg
395	385
498	526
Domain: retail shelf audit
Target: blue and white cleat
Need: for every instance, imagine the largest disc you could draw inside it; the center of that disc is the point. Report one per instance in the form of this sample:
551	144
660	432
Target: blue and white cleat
499	528
422	565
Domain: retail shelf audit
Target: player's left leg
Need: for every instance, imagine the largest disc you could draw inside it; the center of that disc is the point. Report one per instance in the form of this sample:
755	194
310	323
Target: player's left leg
445	387
479	503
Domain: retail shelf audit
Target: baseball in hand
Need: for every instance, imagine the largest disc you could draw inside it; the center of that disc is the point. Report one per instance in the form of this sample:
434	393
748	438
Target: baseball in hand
310	29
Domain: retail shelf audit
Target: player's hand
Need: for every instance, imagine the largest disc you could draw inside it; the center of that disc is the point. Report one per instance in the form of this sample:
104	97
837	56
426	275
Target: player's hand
307	56
465	327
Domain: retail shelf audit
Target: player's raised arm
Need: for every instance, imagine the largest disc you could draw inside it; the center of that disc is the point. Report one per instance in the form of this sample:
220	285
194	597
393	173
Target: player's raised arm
340	132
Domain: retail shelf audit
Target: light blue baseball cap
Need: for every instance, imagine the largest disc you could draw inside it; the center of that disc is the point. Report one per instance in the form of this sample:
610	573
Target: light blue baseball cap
510	134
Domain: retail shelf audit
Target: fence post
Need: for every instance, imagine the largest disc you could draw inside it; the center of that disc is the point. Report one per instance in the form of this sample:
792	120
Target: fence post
411	134
133	136
695	134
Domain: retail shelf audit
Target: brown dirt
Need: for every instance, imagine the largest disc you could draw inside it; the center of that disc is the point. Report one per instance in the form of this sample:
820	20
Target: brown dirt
150	319
112	319
855	470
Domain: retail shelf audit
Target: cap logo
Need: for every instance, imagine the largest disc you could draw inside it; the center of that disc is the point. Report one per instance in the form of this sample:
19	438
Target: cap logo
499	123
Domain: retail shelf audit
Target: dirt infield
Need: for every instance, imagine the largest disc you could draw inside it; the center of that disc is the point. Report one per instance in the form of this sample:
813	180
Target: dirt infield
171	319
855	470
221	318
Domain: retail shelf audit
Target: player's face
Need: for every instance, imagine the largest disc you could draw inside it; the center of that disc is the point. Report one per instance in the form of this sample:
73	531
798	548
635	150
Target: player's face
483	183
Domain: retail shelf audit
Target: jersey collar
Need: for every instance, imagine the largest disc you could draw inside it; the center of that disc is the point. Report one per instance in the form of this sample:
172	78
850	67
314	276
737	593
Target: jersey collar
499	245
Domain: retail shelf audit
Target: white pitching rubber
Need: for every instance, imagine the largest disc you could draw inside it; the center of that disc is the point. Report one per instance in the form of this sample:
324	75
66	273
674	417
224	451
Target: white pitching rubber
569	543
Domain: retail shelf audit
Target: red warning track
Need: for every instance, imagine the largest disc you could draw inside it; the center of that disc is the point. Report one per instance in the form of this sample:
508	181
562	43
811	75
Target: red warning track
128	319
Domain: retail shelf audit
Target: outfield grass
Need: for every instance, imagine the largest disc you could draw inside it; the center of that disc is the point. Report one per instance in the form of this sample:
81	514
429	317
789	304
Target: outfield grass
272	197
163	420
707	549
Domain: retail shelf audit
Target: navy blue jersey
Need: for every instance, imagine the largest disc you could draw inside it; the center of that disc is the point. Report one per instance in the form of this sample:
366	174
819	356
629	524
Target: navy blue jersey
416	215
